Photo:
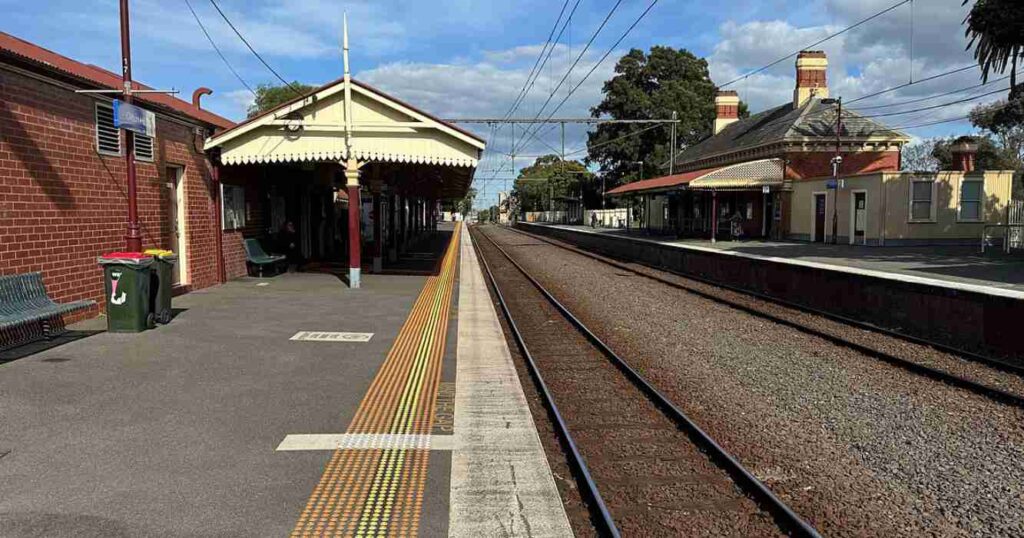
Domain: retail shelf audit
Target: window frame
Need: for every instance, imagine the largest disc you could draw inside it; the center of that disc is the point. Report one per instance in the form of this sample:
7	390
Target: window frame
980	201
236	224
932	202
96	131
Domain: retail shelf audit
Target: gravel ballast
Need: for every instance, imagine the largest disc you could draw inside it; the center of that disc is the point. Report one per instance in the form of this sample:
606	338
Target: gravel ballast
856	446
655	481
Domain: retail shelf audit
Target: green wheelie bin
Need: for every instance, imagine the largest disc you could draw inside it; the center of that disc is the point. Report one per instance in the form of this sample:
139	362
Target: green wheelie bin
126	278
161	284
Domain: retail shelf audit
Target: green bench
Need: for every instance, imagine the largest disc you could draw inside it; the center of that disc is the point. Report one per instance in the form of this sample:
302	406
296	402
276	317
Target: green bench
256	258
27	313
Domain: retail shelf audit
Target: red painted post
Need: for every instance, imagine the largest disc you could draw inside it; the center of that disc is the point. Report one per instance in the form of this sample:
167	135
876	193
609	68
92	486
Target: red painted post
133	240
354	222
218	233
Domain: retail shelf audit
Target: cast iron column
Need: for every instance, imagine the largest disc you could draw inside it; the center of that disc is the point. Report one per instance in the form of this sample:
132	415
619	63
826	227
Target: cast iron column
354	235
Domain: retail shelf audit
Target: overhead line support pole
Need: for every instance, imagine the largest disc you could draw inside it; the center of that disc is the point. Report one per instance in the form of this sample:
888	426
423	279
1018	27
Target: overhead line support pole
133	240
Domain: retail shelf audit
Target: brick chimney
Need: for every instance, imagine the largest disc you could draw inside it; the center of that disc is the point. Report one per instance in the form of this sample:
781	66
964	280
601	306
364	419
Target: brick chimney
811	80
965	150
727	109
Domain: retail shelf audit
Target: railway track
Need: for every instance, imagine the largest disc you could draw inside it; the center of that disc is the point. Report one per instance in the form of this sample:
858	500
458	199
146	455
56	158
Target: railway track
999	394
644	466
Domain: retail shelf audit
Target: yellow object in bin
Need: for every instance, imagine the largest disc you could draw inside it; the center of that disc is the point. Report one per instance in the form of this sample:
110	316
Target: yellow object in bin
158	252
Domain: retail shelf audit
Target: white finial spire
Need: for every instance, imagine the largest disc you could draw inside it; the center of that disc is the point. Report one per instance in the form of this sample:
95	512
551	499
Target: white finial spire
348	89
344	41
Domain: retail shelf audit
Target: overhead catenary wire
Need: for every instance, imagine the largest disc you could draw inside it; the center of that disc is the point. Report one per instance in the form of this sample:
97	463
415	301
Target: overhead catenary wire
600	61
217	49
579	57
933	96
538	65
253	51
816	43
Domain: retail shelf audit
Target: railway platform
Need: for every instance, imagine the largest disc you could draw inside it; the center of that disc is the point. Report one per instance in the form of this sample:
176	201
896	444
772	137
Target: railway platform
954	265
284	406
948	296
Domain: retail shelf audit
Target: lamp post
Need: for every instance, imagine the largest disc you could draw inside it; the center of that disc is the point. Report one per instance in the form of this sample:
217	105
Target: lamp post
836	162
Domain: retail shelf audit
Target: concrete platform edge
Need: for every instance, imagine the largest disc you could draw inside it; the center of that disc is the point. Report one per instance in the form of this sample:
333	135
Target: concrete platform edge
501	484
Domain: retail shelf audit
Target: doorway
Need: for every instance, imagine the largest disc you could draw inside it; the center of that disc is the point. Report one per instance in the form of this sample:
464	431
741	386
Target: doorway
859	214
819	217
177	216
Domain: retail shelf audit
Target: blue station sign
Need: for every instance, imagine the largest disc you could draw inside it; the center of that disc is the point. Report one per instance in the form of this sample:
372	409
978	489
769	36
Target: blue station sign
133	118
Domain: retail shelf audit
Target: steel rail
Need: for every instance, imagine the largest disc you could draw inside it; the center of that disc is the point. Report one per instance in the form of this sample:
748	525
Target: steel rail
909	365
784	516
603	516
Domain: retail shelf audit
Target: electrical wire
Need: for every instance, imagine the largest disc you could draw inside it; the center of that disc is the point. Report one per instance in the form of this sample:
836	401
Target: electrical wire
573	66
935	96
816	43
933	107
219	53
908	84
599	61
530	79
253	51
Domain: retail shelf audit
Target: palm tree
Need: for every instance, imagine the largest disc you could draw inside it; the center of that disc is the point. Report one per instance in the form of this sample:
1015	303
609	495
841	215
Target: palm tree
996	32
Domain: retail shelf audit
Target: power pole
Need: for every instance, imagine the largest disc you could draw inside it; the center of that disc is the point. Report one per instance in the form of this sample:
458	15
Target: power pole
133	240
672	149
836	162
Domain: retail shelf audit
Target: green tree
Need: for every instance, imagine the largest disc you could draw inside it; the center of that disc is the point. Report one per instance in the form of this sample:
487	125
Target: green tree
1003	122
550	176
465	205
995	29
269	96
652	86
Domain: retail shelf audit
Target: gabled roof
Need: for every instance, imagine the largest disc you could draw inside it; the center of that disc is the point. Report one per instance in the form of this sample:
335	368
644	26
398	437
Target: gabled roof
311	127
290	105
92	75
660	183
813	121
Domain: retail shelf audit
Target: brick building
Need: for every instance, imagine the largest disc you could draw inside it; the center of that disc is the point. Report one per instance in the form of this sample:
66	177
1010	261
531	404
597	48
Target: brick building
63	195
743	175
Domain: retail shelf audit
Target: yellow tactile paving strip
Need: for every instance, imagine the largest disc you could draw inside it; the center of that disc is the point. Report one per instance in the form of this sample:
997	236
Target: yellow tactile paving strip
380	492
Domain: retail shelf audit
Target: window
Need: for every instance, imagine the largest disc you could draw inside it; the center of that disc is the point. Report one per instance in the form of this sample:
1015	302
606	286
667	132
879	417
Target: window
972	192
143	147
108	137
232	207
922	193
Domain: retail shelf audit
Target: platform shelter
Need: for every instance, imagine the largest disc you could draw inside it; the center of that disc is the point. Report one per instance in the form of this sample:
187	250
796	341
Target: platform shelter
348	166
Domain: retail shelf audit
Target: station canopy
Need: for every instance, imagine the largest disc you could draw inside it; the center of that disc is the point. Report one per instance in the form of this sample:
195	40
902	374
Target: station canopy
402	141
751	175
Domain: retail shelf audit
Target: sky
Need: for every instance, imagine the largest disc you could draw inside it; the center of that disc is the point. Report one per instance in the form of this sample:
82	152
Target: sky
465	58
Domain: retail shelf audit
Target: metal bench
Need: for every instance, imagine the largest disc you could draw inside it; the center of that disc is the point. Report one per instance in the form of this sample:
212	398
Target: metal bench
27	314
257	258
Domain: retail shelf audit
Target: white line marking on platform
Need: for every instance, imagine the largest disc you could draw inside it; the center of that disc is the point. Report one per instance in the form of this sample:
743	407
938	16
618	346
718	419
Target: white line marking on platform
365	441
262	284
324	336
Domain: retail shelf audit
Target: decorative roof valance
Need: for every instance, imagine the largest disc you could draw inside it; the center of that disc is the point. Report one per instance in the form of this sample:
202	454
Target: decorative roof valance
313	128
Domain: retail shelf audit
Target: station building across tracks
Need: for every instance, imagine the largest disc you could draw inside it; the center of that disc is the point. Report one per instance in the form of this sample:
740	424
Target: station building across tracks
771	176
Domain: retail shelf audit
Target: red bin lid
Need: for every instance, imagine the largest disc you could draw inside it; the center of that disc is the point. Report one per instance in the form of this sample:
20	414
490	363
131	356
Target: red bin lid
126	256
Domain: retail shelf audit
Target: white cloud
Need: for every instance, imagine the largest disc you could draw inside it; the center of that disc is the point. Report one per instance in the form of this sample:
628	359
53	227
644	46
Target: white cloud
870	58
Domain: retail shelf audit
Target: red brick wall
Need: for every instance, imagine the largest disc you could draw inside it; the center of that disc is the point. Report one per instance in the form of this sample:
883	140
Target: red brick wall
806	165
249	177
62	204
